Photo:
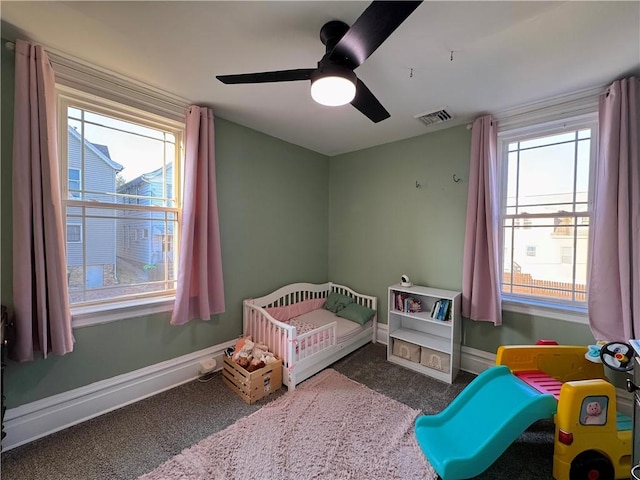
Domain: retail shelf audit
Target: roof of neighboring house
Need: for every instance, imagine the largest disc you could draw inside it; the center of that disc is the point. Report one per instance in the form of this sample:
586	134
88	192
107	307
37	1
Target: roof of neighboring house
144	178
102	151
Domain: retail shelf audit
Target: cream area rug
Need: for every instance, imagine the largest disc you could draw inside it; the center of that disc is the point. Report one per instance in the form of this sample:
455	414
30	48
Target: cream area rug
330	427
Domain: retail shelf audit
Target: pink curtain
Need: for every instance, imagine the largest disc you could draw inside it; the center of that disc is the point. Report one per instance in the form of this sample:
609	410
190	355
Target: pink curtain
480	267
614	272
40	296
200	291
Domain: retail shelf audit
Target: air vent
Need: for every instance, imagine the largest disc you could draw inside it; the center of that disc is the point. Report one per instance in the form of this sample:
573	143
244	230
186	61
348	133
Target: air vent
433	118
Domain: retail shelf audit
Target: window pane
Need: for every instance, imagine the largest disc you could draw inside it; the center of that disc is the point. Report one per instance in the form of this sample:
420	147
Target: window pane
581	254
584	133
74	113
121	160
538	253
508	266
111	123
546	174
550	208
582	169
116	261
134	154
512	178
548	140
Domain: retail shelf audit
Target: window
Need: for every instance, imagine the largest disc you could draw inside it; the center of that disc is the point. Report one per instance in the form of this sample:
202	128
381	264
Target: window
74	182
547	178
123	169
74	233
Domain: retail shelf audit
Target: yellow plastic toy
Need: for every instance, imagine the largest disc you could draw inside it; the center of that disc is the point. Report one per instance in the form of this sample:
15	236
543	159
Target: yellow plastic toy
592	440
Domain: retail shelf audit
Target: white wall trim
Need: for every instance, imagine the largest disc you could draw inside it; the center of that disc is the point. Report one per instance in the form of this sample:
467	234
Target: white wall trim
31	421
550	109
382	333
476	361
81	75
98	314
34	420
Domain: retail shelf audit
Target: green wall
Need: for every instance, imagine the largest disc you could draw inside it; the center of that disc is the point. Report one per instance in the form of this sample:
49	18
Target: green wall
382	225
273	207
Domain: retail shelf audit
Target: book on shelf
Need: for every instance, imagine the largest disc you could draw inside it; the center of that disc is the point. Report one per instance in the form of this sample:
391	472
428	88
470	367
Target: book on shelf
399	301
434	310
441	310
445	309
406	304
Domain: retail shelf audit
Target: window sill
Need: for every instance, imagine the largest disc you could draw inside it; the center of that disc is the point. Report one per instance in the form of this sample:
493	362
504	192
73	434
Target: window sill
96	314
541	309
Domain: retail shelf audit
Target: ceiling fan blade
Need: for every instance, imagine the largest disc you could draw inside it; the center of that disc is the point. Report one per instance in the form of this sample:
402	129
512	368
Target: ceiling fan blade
368	104
370	30
265	77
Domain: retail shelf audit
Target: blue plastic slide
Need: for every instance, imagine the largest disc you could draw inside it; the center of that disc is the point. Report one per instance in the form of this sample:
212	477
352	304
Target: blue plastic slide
470	434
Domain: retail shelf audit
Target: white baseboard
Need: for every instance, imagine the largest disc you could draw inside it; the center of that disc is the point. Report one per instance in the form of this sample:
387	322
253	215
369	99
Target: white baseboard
31	421
476	361
382	333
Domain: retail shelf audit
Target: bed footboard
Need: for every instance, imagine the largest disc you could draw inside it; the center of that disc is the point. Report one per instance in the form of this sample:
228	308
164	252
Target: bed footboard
314	341
265	329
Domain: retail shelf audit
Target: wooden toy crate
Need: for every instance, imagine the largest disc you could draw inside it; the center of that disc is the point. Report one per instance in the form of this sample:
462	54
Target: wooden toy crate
252	386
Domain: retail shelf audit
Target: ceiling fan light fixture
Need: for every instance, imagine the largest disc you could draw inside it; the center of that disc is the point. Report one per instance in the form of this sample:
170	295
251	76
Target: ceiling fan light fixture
333	86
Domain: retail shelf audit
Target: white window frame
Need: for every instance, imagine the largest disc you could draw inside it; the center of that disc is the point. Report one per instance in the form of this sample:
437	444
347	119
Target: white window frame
543	307
103	312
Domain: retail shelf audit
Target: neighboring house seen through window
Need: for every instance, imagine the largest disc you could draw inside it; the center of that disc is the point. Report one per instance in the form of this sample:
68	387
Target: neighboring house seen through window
547	178
123	167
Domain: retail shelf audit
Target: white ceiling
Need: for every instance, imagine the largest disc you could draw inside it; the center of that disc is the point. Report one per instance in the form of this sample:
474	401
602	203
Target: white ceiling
505	55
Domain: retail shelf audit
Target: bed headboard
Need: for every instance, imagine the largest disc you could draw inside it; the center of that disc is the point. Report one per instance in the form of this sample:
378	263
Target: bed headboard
298	292
293	293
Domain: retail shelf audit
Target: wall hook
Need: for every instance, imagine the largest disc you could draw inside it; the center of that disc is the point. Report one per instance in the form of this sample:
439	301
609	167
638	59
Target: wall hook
456	179
418	185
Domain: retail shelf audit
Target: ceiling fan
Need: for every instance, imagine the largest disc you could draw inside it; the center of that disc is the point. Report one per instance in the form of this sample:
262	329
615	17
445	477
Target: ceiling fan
334	82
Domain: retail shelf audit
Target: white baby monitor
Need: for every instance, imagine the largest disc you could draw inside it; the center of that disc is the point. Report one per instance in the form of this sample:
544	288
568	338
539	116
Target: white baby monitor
405	282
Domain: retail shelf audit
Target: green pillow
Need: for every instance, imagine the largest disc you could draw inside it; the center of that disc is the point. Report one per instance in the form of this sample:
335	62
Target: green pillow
336	302
357	313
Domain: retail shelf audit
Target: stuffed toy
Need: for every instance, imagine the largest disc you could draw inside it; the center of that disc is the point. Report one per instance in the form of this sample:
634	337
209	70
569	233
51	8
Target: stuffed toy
252	356
594	414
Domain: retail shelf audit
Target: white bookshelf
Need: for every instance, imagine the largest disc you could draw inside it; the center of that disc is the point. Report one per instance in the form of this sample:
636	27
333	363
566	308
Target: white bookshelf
437	341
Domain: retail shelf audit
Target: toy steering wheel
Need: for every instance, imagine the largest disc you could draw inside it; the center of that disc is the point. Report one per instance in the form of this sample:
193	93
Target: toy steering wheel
617	356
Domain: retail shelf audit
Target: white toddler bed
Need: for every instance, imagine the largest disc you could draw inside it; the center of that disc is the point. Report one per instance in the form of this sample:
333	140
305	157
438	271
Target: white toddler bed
313	338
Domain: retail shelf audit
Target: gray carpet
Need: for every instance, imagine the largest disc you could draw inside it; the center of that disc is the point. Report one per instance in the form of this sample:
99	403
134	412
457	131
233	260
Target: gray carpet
134	440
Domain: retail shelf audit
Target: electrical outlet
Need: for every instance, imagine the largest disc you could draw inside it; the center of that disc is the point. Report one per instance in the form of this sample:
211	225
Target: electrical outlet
207	366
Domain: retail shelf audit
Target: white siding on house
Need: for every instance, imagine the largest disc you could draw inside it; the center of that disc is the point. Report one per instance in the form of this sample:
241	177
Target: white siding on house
99	233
